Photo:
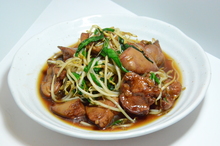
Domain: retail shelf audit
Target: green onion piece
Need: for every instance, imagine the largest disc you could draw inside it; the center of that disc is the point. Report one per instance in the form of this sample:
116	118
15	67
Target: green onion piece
84	53
121	42
165	99
97	30
83	84
119	122
88	100
108	29
76	75
87	41
110	85
97	69
113	55
87	68
95	79
106	43
154	78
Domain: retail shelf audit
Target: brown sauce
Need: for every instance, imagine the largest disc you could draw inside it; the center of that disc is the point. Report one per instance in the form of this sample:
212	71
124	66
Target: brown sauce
169	65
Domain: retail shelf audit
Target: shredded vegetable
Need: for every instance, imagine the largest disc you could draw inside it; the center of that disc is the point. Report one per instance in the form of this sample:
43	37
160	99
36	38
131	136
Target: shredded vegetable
93	76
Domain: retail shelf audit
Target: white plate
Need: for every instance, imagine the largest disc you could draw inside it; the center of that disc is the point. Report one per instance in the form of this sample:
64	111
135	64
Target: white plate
29	60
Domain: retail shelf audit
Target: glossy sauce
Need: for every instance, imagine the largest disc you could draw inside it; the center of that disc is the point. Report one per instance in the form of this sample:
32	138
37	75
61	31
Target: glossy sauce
141	121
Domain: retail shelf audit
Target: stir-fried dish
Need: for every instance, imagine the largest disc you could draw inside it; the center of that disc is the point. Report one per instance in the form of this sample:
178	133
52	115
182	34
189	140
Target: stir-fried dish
110	79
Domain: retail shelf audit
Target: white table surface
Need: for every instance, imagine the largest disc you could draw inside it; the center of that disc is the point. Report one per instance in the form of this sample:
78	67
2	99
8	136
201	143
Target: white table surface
21	20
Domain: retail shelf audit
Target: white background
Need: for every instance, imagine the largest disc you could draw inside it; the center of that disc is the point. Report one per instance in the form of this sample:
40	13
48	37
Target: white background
199	19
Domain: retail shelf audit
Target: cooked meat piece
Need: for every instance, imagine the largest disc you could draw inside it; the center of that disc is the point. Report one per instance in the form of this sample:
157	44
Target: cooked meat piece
170	94
155	52
84	36
108	102
137	93
97	49
67	52
174	89
70	109
47	81
135	61
62	74
101	116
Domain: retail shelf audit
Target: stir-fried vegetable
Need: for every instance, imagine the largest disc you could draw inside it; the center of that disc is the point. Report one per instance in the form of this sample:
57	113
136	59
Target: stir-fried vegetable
96	77
154	78
114	56
87	41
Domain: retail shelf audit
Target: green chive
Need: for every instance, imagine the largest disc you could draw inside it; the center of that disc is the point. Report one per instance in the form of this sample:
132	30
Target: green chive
87	68
113	55
87	41
154	78
76	75
108	29
95	79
